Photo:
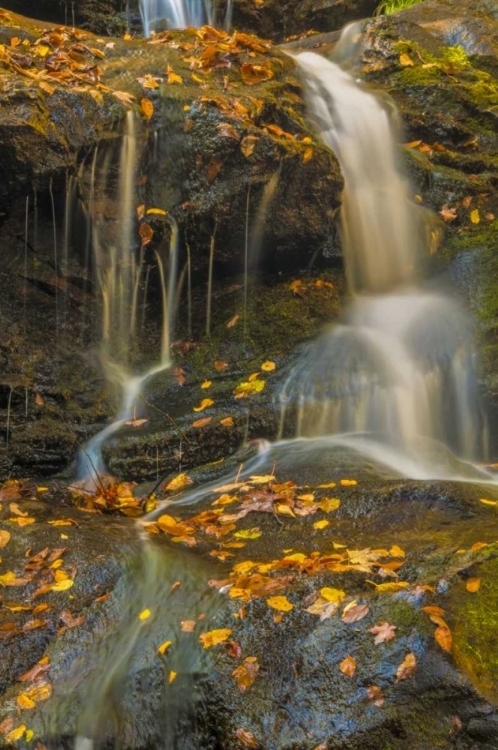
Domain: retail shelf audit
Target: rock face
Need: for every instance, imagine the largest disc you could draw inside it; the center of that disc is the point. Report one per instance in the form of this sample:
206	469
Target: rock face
100	16
217	152
275	614
279	19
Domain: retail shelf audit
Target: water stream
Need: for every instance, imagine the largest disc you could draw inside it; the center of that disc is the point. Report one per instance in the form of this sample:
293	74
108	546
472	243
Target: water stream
179	14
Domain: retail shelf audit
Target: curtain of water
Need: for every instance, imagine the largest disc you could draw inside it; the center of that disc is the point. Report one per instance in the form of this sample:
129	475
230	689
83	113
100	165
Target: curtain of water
403	365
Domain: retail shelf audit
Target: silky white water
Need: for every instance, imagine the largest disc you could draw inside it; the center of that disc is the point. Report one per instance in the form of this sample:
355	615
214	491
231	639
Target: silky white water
401	366
179	14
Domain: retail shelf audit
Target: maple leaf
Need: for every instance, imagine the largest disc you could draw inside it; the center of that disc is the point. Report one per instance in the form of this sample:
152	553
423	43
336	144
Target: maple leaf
383	632
407	667
447	213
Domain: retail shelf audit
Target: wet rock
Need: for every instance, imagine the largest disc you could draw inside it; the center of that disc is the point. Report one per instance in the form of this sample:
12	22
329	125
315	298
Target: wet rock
277	19
102	17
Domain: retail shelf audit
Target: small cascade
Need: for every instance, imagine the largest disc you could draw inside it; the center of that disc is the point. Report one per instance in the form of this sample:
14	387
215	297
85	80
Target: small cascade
122	271
177	14
401	367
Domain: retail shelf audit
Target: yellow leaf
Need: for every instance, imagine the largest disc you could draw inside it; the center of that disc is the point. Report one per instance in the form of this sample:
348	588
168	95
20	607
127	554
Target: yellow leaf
7	578
280	602
205	404
326	486
391	587
214	637
268	366
329	504
62	585
484	501
473	585
4	537
172	677
164	647
42	50
206	384
156	212
309	498
263	479
147	108
332	595
29	735
321	524
284	510
396	551
308	154
253	533
16	734
173	77
297	557
144	615
243	568
25	702
42	489
348	482
405	60
474	216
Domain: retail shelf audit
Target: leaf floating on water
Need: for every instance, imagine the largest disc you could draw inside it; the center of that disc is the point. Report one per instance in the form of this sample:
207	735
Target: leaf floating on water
243	390
327	486
407	667
253	533
4	537
214	637
348	666
447	213
473	585
147	108
136	422
488	502
246	673
383	632
164	647
178	482
205	404
144	615
246	738
262	479
281	603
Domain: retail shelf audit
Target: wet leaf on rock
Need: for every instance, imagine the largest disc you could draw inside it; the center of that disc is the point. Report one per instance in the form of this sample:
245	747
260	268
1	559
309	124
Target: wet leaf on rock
383	632
246	738
281	603
147	108
355	612
178	482
407	667
374	694
253	74
205	404
246	673
348	666
4	537
473	585
444	638
214	637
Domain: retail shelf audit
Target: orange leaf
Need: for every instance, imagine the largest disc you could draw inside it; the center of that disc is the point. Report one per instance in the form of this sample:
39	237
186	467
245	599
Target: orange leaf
147	108
473	585
246	673
201	422
444	638
348	666
407	667
246	738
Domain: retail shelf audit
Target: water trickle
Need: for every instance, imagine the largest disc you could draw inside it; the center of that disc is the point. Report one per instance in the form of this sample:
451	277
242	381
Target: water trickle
123	275
401	367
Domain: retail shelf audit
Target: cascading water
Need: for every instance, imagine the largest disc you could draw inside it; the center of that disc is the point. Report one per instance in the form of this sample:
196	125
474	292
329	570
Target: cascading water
402	366
122	279
179	14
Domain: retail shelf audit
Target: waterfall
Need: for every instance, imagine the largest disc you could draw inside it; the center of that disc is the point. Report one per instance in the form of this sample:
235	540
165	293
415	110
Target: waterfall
401	367
177	14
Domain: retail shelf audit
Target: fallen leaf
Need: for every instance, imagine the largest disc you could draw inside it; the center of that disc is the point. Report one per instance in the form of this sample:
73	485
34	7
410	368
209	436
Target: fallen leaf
205	404
329	504
173	77
268	366
374	694
253	533
407	667
25	702
392	587
444	638
246	673
473	585
321	524
16	734
164	647
248	144
227	422
147	108
178	482
206	384
156	212
220	365
233	321
474	216
144	615
214	637
348	666
488	502
355	613
396	551
172	677
253	74
201	422
281	603
447	213
4	537
405	60
188	626
348	482
246	738
383	632
332	595
63	585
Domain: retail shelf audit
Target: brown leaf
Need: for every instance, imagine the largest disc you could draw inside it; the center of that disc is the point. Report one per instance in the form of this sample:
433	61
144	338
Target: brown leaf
147	108
447	213
214	167
383	632
355	613
220	365
248	144
374	693
233	321
348	666
227	422
407	667
253	74
6	725
246	738
146	232
201	422
227	130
